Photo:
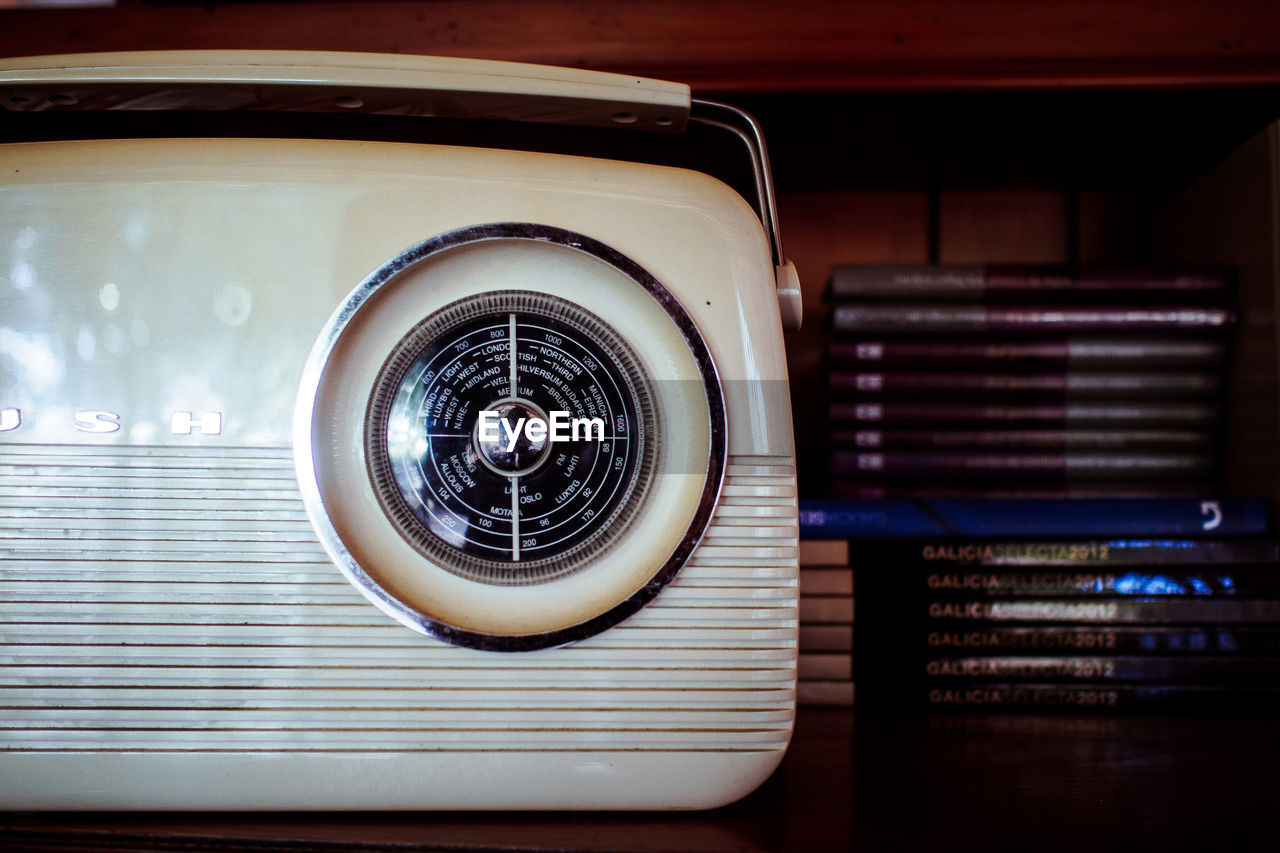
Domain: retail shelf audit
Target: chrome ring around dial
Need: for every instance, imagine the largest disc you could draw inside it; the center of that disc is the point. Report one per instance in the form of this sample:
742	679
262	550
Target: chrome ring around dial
369	483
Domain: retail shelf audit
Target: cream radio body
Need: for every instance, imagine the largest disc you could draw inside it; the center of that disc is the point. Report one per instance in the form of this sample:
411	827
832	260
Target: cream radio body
255	553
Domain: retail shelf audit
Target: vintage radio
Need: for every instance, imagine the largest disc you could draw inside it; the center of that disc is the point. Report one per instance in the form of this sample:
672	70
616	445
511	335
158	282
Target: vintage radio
346	462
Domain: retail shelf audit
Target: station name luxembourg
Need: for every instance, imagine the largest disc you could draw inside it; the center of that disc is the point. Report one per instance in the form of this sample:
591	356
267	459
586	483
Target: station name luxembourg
559	427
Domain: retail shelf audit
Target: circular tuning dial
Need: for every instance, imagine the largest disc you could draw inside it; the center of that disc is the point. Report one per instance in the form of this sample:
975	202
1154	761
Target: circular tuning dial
510	437
487	457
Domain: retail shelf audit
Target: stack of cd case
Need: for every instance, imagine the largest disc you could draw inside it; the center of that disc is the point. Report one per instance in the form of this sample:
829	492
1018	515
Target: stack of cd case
1026	380
1043	604
825	665
1023	474
1072	625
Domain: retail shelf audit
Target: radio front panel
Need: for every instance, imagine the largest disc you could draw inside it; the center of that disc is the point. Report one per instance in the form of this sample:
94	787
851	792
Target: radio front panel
261	550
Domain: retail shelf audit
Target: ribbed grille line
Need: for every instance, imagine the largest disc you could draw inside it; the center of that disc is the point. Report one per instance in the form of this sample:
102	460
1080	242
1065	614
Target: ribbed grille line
176	599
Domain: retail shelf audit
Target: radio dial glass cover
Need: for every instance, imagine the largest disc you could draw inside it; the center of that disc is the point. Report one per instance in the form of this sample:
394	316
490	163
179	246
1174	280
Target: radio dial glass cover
511	464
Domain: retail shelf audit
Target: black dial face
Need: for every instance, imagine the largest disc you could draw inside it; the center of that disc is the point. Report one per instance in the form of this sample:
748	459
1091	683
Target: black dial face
510	437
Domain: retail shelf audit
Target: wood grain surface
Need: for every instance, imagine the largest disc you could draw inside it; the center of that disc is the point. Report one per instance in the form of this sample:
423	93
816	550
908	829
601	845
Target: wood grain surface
729	45
851	781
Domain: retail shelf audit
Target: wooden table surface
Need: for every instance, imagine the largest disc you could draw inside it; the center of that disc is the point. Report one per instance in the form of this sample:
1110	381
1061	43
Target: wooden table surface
864	781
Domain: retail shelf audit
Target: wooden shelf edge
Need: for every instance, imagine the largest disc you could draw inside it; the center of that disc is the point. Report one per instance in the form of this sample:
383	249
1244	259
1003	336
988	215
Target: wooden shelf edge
729	45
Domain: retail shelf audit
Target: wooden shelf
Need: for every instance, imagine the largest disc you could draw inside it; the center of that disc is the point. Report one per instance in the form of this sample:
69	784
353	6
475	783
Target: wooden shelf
731	45
851	781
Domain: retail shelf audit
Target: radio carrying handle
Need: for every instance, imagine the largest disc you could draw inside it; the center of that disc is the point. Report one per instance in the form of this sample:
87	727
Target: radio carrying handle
390	85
